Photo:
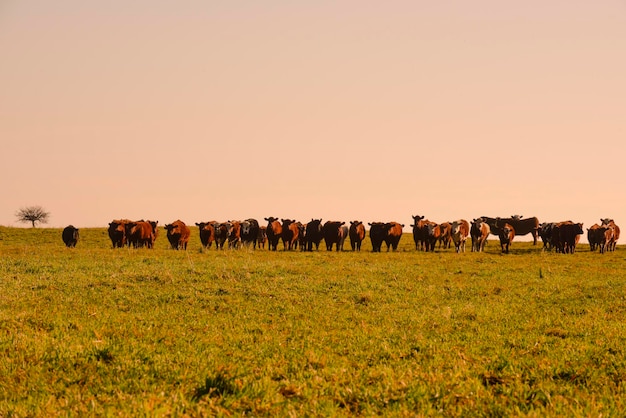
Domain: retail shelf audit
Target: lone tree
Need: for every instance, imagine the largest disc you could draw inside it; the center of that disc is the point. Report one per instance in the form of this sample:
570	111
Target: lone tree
32	214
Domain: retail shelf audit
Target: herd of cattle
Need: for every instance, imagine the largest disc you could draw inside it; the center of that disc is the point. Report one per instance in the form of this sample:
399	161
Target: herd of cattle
561	237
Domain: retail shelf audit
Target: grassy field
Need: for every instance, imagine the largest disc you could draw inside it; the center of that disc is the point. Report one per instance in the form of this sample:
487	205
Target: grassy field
97	331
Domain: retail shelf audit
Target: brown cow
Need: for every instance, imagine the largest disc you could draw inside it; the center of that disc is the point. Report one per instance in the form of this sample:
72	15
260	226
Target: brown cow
234	234
616	231
262	237
141	233
522	226
274	231
459	231
207	233
394	233
117	232
445	237
178	234
479	231
506	235
334	234
357	235
290	234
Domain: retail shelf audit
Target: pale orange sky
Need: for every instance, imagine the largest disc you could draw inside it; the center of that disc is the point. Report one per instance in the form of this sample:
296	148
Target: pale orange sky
341	110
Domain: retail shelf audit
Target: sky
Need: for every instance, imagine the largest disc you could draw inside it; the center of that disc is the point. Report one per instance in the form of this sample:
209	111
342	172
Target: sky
341	110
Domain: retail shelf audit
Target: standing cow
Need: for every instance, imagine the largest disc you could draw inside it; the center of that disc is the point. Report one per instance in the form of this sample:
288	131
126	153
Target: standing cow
117	232
522	226
70	236
545	232
394	233
459	231
290	234
506	235
250	232
222	232
178	234
313	234
479	232
378	233
274	231
334	234
142	233
610	223
357	234
207	233
419	232
262	237
445	235
432	233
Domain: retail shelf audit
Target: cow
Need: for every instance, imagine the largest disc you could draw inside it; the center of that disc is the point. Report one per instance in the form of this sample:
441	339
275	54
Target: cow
250	232
616	231
357	234
445	237
274	231
234	234
141	233
459	231
117	232
301	235
313	234
334	234
289	234
545	232
70	236
432	232
419	232
595	236
262	237
479	232
178	234
378	233
569	234
506	235
521	226
394	233
222	232
207	233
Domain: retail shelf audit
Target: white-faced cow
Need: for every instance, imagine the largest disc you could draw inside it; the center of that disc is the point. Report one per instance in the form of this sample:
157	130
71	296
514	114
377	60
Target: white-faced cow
479	231
459	231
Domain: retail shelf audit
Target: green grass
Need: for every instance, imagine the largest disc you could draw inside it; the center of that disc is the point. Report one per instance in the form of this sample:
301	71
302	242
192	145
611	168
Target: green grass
97	331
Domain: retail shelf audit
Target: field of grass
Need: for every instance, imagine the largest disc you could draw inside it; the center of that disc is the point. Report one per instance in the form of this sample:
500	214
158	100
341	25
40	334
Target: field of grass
97	331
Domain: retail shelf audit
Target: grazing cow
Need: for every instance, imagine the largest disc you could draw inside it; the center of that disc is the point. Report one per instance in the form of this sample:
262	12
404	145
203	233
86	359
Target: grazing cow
506	235
432	234
521	226
178	234
141	233
222	232
357	234
479	231
274	232
378	233
70	236
459	231
207	233
616	231
117	232
250	232
334	234
545	232
419	233
313	234
445	237
394	233
569	235
262	238
234	234
290	234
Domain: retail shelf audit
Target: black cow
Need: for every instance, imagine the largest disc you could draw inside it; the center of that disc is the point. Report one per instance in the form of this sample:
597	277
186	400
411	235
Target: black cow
70	236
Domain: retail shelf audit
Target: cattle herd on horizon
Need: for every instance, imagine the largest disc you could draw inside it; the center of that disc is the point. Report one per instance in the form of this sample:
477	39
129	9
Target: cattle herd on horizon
562	237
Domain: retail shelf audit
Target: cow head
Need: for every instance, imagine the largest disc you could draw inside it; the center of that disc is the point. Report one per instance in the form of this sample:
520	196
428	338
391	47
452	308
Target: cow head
516	217
606	221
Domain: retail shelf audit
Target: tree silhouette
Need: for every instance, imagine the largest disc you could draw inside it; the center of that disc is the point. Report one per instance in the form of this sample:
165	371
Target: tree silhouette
32	214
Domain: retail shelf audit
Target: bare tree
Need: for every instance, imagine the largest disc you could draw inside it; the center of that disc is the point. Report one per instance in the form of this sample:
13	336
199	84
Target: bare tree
32	214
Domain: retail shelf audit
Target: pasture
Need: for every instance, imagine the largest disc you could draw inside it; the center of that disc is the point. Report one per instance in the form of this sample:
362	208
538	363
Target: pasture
100	331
